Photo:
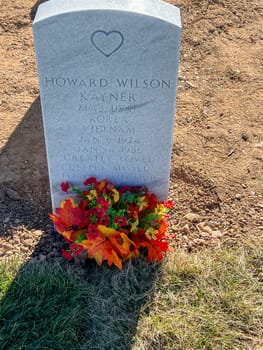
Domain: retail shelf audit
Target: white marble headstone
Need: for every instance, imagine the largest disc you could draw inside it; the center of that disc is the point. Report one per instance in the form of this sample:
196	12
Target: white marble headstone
108	77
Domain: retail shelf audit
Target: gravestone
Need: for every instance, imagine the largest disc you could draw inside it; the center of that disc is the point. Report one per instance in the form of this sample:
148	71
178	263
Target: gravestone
108	76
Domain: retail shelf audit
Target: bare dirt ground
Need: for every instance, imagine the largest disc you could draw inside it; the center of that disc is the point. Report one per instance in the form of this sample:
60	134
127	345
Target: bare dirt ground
217	164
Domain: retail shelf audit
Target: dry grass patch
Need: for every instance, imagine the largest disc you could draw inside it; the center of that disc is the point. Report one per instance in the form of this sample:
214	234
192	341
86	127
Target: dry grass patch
210	300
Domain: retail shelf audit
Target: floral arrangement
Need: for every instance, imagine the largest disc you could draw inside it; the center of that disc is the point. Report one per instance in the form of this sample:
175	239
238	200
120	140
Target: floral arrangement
110	224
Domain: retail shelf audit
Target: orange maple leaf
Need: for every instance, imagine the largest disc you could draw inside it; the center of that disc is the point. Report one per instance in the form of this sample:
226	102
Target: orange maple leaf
122	243
101	249
156	247
119	240
67	216
107	231
66	234
113	258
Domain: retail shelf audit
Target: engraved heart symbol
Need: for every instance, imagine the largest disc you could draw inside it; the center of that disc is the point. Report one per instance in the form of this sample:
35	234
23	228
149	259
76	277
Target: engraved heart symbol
107	42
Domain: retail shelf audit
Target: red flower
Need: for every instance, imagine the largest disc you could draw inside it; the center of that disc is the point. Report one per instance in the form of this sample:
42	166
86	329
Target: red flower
64	186
89	181
76	249
110	186
92	232
103	220
120	221
137	189
100	186
152	200
133	212
124	189
102	203
168	204
66	254
99	212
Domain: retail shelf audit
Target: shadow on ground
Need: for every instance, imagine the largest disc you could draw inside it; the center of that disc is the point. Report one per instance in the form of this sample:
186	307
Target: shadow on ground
59	306
51	304
24	185
23	159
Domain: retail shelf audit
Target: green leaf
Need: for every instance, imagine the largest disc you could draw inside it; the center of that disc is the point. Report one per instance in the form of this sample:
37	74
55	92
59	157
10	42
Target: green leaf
80	238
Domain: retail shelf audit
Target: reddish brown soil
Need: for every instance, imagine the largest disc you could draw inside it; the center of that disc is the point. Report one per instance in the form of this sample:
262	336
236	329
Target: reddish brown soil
217	164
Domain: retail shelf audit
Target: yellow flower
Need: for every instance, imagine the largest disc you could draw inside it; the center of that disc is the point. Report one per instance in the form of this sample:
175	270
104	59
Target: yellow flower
160	210
116	195
92	194
142	203
151	233
134	225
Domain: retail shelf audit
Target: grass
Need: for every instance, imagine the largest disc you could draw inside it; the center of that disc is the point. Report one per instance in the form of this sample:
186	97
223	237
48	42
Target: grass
207	300
42	309
56	307
204	300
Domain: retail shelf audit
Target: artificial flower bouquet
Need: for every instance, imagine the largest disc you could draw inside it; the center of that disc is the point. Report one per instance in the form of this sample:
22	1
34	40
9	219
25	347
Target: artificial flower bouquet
111	224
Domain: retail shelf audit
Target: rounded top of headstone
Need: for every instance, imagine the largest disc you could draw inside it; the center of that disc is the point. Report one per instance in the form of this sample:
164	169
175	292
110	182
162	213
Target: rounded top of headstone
154	8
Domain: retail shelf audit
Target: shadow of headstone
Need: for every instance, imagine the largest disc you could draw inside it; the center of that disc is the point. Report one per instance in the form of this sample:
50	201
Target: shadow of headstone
24	185
57	306
24	192
23	160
